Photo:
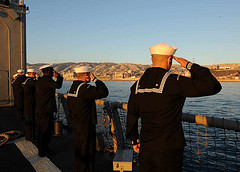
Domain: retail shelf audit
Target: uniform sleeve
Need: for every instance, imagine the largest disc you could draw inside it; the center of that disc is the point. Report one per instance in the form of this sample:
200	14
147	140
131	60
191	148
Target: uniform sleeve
70	112
132	119
56	84
12	81
97	92
201	83
33	82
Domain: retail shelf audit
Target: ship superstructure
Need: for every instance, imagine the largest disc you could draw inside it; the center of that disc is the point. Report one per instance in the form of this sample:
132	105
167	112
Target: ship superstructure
12	44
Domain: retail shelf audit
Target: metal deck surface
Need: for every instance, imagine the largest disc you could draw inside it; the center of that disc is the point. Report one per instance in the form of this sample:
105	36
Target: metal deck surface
22	155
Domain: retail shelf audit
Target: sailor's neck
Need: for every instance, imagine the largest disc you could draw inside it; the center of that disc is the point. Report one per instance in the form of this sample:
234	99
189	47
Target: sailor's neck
160	66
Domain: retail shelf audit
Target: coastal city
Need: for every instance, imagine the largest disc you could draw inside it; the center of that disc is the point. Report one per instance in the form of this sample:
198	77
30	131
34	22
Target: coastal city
132	72
87	86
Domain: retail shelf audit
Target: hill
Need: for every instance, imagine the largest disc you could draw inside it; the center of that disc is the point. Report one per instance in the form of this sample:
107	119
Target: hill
130	71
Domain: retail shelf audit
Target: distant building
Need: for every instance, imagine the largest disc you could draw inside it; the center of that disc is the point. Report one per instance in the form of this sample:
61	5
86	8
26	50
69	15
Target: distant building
68	75
225	67
119	75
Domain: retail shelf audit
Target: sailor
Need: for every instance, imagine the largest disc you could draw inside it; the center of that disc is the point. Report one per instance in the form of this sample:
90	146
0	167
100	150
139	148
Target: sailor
82	111
158	98
14	76
46	106
29	104
18	93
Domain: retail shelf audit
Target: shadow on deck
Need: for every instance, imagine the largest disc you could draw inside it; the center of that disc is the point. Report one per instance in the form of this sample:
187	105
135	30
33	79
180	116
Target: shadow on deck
11	158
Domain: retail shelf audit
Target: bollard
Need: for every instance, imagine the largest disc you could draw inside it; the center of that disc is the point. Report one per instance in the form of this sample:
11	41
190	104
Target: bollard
57	128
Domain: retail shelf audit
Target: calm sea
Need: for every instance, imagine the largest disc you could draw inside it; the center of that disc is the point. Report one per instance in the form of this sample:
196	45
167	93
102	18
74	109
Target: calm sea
225	104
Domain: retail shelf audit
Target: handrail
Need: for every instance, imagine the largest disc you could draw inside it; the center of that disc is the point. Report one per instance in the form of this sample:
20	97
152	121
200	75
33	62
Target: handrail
198	119
214	146
212	121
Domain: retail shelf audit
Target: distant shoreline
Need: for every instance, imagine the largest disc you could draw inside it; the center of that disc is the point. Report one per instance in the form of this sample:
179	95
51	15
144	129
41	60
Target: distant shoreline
229	80
135	79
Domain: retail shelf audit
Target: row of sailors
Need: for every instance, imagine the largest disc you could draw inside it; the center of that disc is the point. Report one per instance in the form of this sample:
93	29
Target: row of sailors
157	98
36	95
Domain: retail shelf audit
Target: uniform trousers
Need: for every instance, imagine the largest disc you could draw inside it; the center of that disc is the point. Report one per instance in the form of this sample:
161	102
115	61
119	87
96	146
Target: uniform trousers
45	121
85	148
29	128
161	161
18	106
18	113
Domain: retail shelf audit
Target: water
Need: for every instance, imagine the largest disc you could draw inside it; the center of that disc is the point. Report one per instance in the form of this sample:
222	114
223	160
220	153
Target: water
222	150
225	104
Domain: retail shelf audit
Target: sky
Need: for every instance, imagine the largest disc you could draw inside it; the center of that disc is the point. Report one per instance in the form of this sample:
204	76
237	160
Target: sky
122	31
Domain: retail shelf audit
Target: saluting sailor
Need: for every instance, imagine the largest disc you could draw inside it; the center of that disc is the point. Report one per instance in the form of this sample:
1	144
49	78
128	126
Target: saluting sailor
46	106
82	111
158	98
18	93
14	76
29	104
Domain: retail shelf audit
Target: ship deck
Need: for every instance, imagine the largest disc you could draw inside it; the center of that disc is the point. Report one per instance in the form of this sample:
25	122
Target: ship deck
13	155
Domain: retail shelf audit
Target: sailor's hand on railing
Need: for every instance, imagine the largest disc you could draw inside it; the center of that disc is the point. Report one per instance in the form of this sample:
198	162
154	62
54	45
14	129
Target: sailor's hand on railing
136	148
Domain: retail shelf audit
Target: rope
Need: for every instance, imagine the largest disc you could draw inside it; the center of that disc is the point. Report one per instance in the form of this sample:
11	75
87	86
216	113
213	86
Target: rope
201	120
3	139
9	136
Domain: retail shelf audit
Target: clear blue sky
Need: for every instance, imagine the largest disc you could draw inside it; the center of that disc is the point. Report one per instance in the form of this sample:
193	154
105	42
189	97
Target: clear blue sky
123	30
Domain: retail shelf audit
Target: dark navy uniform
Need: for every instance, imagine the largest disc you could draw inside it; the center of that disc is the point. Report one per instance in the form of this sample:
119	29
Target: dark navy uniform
45	107
29	107
18	96
82	112
158	98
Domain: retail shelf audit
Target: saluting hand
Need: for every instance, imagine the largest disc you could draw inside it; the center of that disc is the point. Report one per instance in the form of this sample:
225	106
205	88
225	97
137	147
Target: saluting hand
92	77
183	62
56	74
136	148
36	75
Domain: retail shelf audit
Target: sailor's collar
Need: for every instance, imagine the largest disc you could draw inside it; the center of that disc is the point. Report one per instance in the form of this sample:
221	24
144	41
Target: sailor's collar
153	80
77	81
156	69
47	76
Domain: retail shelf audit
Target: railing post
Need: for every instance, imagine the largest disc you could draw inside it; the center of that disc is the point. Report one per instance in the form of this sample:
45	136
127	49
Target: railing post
64	105
113	137
116	127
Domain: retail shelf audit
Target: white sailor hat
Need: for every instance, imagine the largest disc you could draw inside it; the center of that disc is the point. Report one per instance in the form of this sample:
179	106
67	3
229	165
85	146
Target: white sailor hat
82	69
46	66
163	49
20	71
31	70
15	75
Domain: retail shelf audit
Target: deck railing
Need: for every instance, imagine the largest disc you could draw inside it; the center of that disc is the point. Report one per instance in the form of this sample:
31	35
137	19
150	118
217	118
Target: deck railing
212	143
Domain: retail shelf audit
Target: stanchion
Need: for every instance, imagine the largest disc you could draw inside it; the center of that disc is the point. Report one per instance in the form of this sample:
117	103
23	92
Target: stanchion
57	128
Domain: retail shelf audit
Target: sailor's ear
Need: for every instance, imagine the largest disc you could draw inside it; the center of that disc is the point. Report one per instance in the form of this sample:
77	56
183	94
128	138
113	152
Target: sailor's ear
169	59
